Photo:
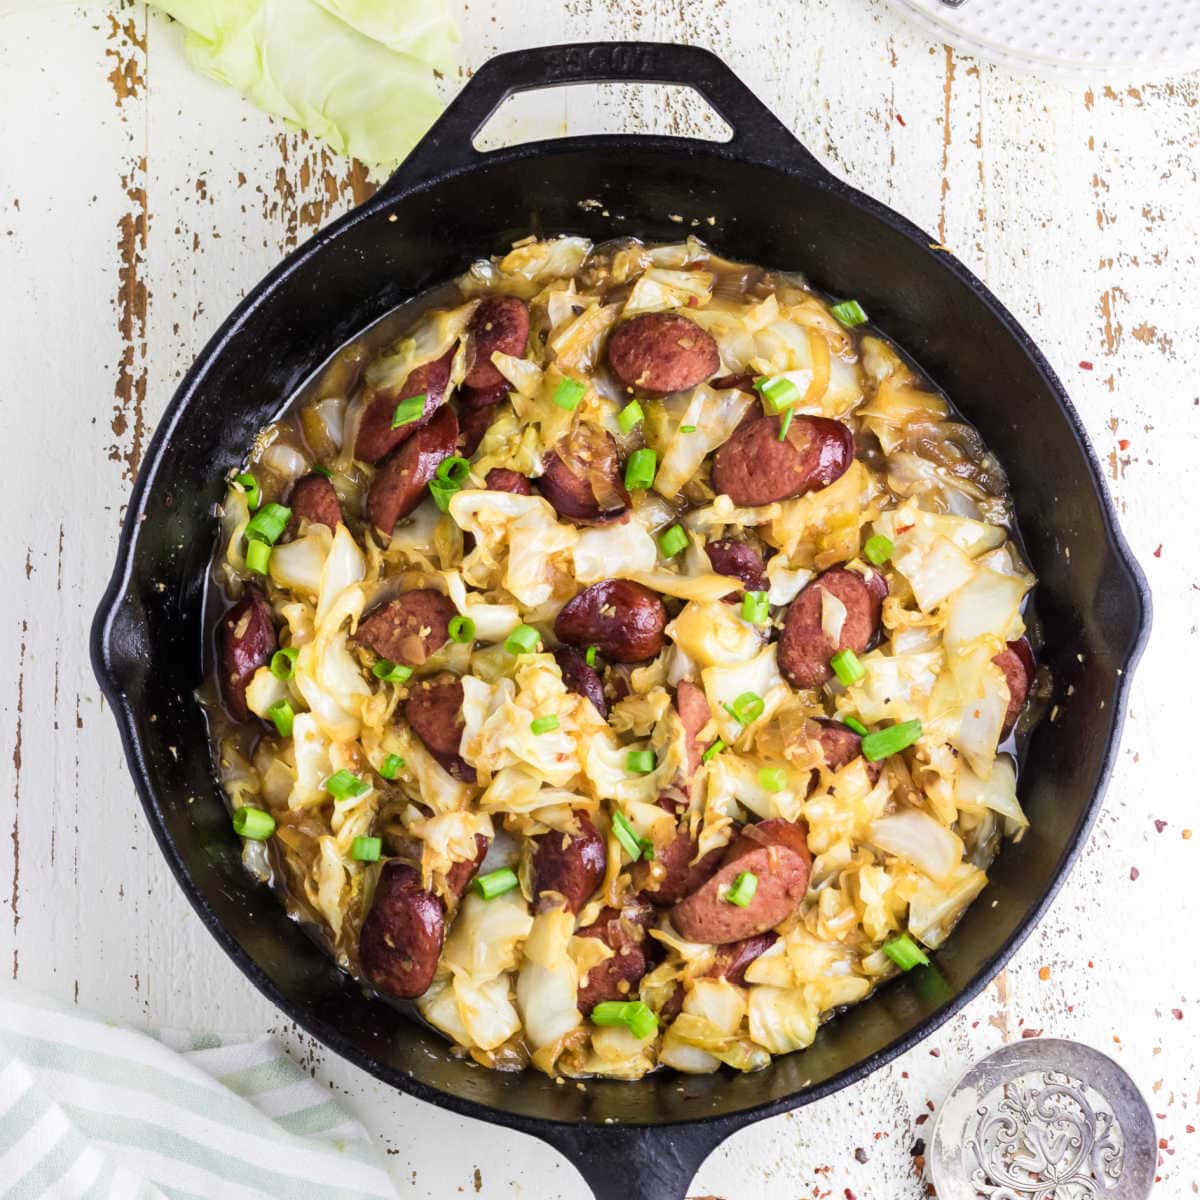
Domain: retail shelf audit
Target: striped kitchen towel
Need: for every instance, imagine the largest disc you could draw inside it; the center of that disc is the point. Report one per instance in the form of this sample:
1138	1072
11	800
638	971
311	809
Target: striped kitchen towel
92	1109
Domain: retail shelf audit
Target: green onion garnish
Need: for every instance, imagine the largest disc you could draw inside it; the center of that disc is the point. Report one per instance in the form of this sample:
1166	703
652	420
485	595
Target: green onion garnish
267	525
847	668
630	416
687	429
283	663
627	835
391	672
345	785
253	823
408	411
772	779
784	425
755	608
590	656
523	640
892	740
640	762
878	549
495	883
905	953
249	485
778	394
743	889
543	724
390	767
281	715
461	630
855	724
320	470
366	849
258	556
635	1015
746	708
849	313
569	393
639	470
712	751
671	542
450	477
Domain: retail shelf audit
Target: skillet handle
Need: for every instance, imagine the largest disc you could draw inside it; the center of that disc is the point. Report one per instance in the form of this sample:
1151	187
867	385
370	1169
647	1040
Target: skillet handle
757	133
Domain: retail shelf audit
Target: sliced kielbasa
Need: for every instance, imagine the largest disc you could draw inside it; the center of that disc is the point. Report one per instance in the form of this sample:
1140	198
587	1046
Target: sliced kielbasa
754	467
840	745
692	706
376	438
488	397
672	874
569	865
247	642
500	479
314	500
499	324
580	678
804	647
473	424
732	960
409	629
461	873
776	853
623	619
401	938
399	485
623	931
581	477
725	383
434	711
658	353
1019	669
739	560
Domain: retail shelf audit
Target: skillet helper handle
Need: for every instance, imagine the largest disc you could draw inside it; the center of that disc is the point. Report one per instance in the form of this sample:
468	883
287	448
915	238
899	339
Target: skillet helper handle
757	133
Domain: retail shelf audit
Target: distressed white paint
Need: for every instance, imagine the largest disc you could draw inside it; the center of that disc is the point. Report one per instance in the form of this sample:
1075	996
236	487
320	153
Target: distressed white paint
1080	207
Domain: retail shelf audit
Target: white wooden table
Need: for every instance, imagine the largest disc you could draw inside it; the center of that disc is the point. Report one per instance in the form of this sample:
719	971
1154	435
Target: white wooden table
138	201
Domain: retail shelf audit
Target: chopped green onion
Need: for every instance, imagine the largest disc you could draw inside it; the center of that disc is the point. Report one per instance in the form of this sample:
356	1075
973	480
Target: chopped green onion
855	724
892	740
639	470
267	525
543	724
847	668
408	411
627	836
281	715
569	393
390	767
258	556
366	849
630	416
253	823
905	953
495	883
687	429
523	640
640	762
590	656
391	672
671	542
772	779
283	663
249	485
778	393
785	425
743	889
878	549
746	708
451	476
320	470
345	785
849	313
635	1015
755	608
461	630
712	751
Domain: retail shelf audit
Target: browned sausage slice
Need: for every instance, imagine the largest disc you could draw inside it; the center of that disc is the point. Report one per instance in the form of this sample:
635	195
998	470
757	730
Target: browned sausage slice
580	678
776	853
840	745
581	477
401	937
623	931
376	437
473	398
474	423
692	706
658	353
731	557
804	647
672	875
623	619
313	499
399	485
725	383
731	961
1019	668
409	629
434	710
754	467
500	479
247	643
569	865
500	323
461	874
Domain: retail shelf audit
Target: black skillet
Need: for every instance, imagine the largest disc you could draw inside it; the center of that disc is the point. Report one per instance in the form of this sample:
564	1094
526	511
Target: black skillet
760	197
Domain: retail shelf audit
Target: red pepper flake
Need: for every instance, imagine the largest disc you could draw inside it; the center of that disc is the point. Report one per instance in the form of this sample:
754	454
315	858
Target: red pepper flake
1090	963
1160	825
1123	443
901	120
694	302
935	1054
1031	1033
1190	1128
1044	974
922	1119
1087	366
1162	1143
1134	873
1158	552
1177	1013
849	1194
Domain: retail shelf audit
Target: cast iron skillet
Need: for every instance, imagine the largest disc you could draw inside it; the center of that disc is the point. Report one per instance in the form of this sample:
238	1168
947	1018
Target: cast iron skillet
759	197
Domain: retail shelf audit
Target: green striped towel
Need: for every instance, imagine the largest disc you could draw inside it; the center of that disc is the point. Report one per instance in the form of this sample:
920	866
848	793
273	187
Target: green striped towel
91	1109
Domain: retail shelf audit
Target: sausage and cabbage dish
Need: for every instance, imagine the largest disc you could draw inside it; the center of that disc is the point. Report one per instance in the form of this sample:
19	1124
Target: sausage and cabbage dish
619	665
